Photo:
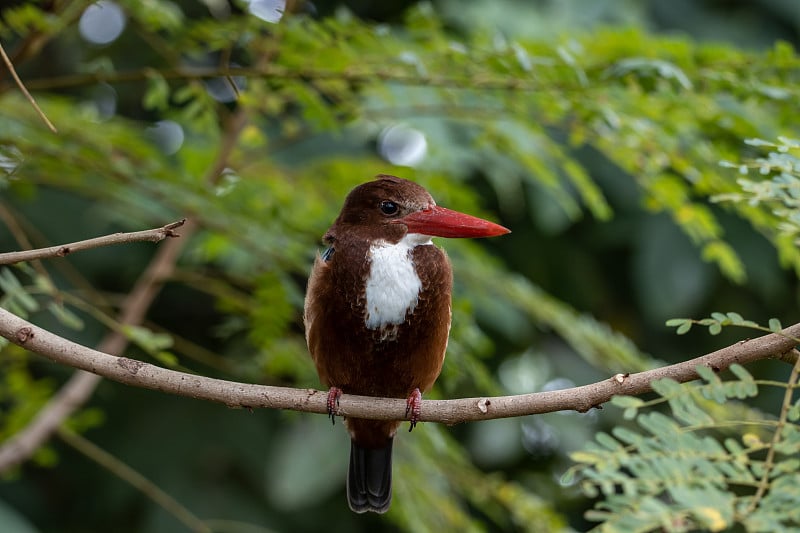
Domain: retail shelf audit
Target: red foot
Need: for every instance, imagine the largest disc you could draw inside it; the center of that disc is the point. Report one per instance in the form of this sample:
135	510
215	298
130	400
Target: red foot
334	393
414	406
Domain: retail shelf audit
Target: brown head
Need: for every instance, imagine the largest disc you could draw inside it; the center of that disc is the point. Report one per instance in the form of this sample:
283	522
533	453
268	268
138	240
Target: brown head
390	207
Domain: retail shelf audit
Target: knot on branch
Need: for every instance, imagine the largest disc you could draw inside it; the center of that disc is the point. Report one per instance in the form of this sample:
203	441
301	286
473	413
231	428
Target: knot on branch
483	405
620	378
131	365
23	334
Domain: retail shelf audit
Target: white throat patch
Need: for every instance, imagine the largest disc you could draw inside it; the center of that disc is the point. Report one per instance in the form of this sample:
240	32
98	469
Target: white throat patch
393	285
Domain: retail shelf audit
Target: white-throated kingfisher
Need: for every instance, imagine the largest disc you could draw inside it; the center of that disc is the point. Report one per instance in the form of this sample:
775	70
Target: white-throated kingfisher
377	314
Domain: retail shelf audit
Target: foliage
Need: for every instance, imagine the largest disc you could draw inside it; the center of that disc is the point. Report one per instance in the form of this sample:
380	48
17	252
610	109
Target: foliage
584	139
681	473
774	196
717	320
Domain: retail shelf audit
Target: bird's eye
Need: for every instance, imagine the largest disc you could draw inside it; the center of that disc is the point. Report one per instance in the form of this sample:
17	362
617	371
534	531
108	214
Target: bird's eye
389	208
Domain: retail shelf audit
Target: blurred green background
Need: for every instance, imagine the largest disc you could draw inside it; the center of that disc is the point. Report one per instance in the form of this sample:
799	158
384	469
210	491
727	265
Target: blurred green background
594	130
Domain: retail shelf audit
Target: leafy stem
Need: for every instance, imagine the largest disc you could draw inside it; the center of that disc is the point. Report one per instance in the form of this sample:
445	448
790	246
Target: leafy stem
769	461
717	321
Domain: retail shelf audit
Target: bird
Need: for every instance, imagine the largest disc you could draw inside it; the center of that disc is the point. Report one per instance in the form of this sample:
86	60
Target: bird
377	315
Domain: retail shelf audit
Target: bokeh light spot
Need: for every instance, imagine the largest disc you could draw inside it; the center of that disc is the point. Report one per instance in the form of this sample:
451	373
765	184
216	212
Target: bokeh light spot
167	135
102	22
402	145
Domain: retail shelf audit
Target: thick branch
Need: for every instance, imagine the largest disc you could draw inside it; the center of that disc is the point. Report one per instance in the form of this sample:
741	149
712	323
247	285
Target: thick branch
150	235
233	394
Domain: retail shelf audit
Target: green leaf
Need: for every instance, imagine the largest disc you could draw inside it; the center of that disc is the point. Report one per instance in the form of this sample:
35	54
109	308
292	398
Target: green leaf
156	97
658	424
724	255
683	324
719	317
707	374
630	404
685	409
168	359
666	387
16	298
568	478
627	401
741	372
775	325
735	318
608	441
627	436
793	414
733	446
583	456
151	342
65	316
715	328
684	328
590	490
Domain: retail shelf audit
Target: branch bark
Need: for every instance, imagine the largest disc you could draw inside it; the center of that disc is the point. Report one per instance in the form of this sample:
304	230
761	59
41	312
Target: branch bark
150	235
245	395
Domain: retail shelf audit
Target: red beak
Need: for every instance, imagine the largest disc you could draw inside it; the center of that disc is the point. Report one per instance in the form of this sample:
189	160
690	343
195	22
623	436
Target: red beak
441	222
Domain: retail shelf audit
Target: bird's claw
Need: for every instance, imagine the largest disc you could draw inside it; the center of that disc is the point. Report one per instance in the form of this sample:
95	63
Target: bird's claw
334	393
414	407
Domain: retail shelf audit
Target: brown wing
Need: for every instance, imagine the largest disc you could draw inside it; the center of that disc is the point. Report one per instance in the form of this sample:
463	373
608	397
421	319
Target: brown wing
333	316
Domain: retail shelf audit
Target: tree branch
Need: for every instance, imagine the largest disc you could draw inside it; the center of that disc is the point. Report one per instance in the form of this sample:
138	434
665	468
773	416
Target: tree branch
233	394
150	235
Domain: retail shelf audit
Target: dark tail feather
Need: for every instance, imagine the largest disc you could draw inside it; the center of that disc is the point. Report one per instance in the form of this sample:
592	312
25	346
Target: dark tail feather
369	480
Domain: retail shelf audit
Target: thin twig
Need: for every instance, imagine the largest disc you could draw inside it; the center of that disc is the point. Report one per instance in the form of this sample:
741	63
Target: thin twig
22	88
150	235
244	395
135	479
